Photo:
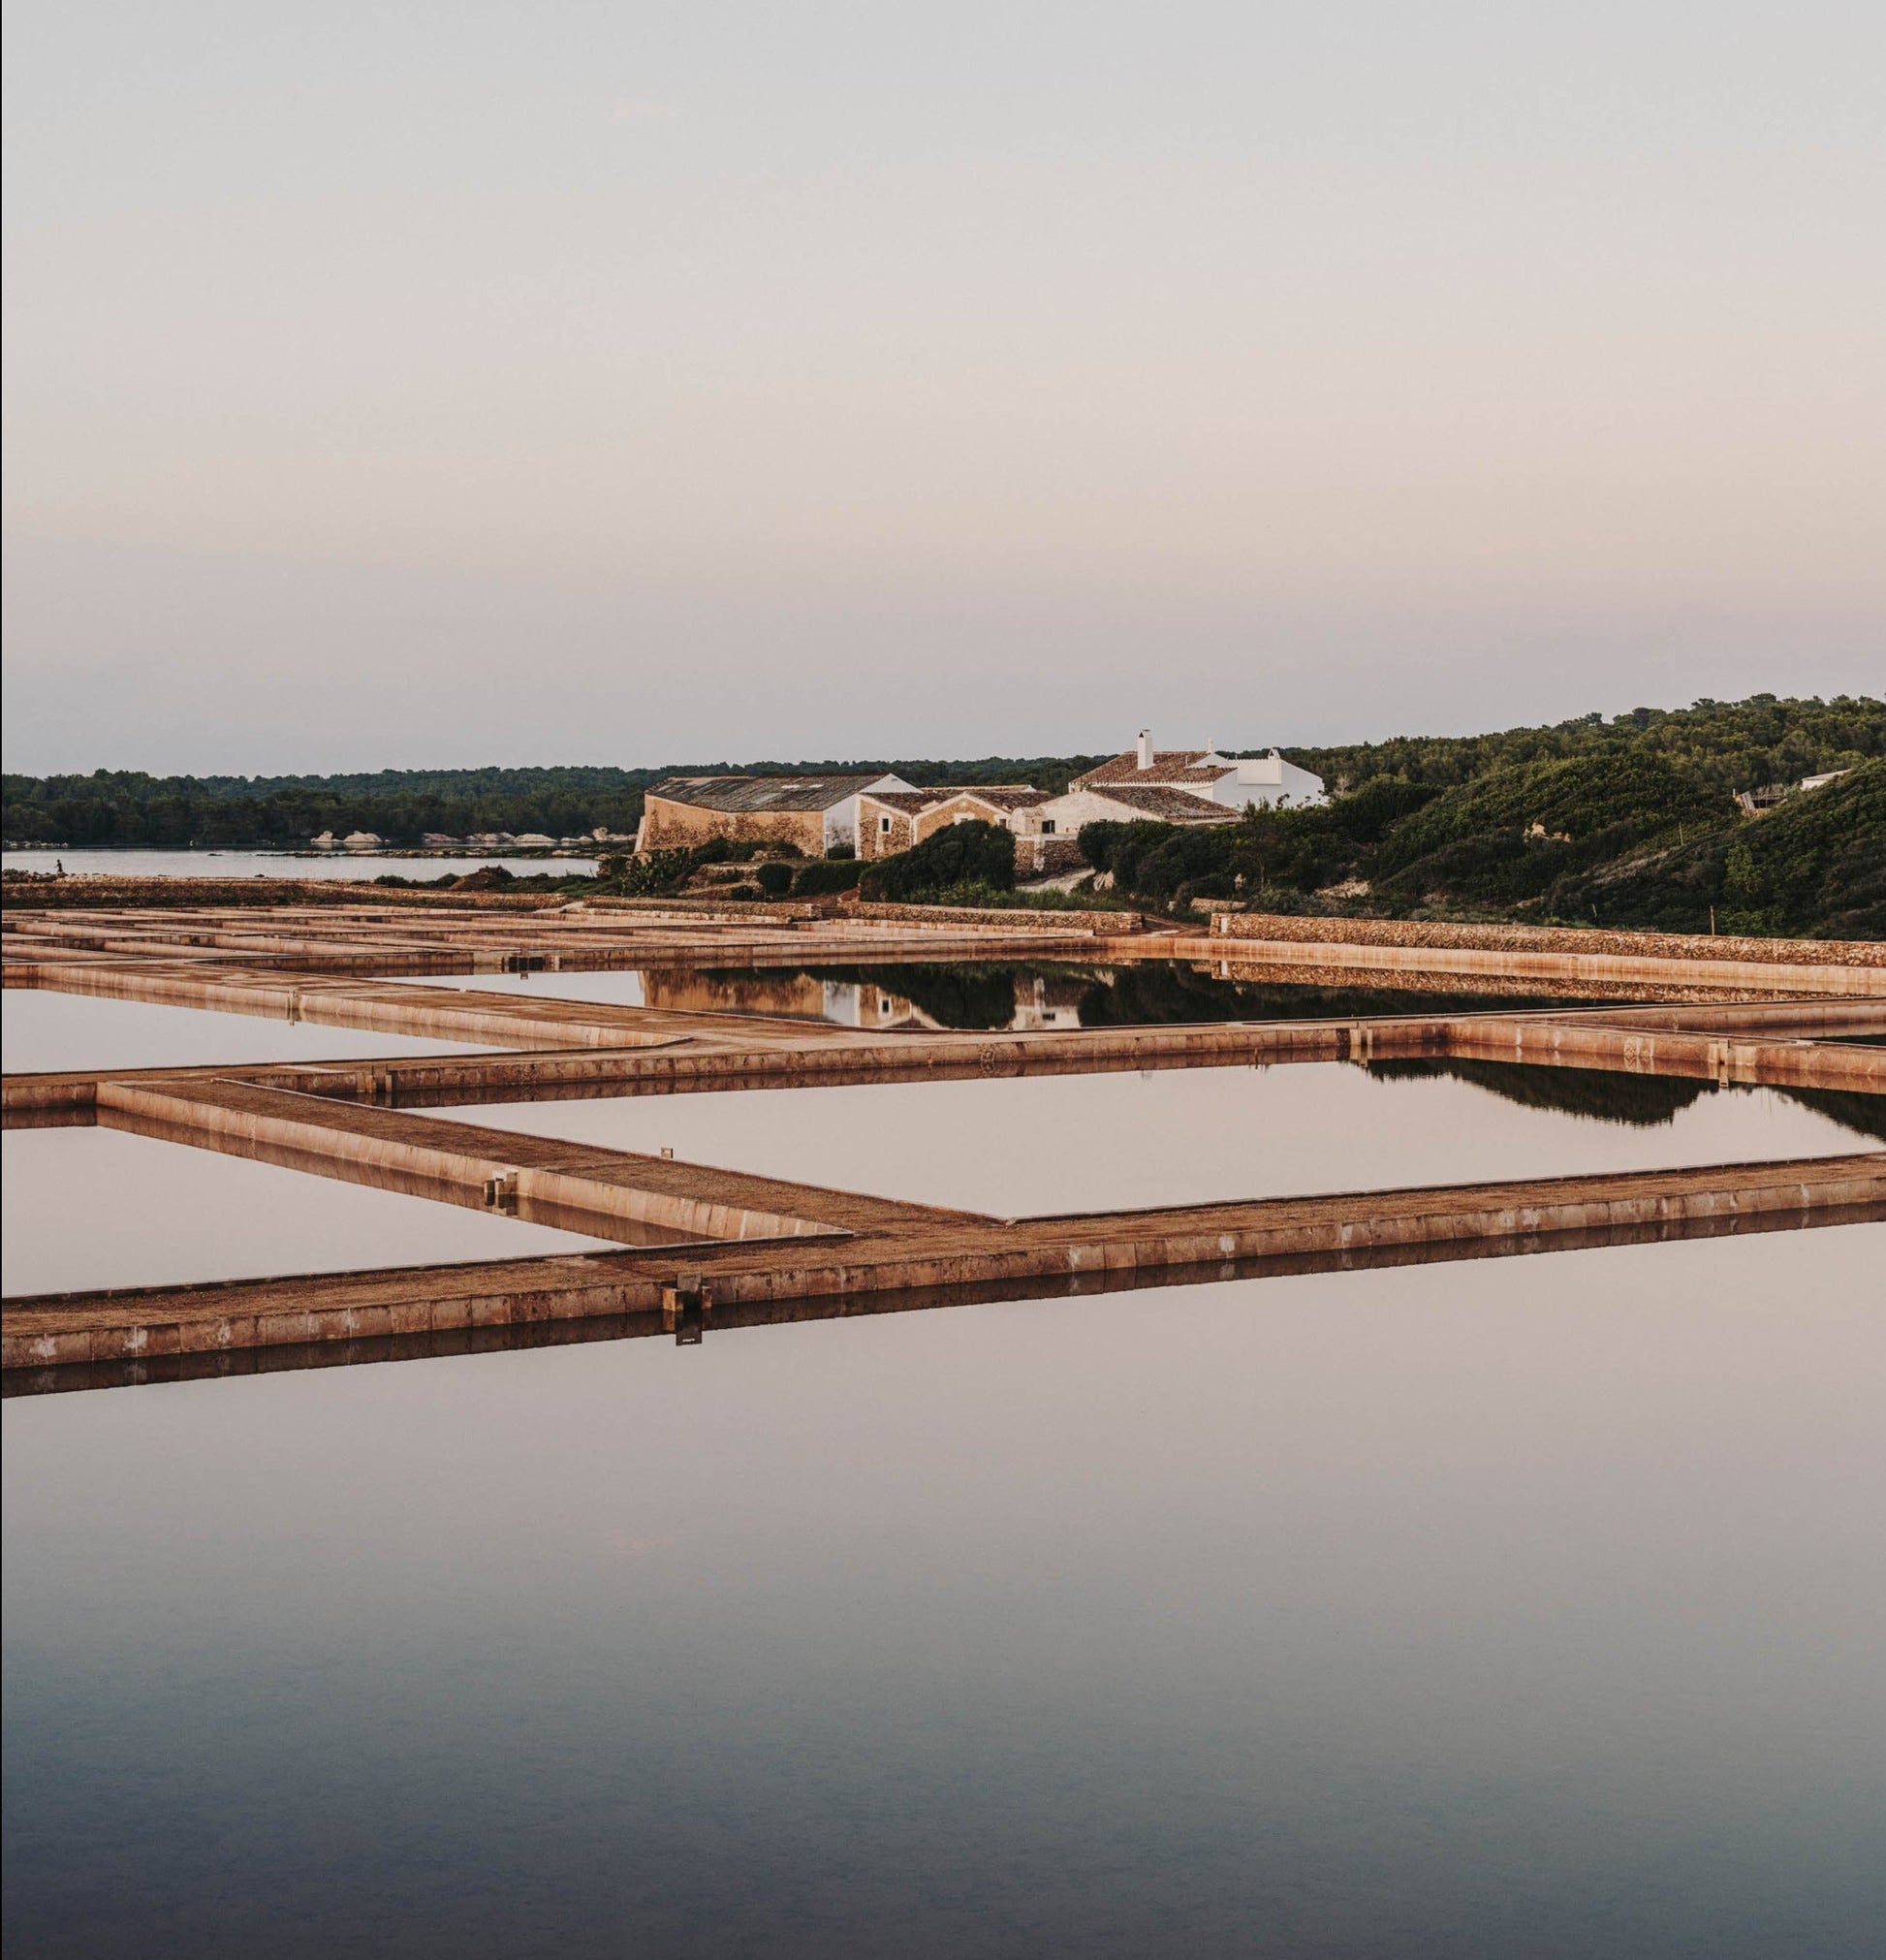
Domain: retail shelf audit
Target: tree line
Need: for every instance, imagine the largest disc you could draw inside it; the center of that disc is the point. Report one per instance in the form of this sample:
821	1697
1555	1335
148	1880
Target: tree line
125	810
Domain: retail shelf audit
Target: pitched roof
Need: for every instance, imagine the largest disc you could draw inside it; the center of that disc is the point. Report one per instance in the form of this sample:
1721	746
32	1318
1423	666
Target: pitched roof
998	794
1169	765
762	792
1163	804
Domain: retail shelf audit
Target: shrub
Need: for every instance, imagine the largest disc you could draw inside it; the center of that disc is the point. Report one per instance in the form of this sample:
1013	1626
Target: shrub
819	877
660	874
959	854
775	877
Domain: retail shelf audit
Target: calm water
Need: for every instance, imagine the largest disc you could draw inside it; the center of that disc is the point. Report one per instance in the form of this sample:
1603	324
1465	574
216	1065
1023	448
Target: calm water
1516	1607
1185	1136
281	865
1004	995
100	1208
42	1031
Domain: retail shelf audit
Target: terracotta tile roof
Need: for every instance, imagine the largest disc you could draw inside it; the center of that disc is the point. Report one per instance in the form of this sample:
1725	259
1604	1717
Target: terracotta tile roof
762	792
1164	805
997	794
994	795
1169	765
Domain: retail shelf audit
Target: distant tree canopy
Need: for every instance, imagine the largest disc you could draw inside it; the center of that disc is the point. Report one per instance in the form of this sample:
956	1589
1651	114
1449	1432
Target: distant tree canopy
1732	744
127	809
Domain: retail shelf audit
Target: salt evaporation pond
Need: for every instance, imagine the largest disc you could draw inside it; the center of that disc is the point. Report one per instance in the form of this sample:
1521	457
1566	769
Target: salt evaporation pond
1519	1606
1040	1144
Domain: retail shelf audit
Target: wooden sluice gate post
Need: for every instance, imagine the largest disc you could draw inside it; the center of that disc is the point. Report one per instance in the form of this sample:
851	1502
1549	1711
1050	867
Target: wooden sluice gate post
705	1246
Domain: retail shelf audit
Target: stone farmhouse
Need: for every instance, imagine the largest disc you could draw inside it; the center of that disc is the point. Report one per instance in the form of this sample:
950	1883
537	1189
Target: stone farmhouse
874	816
818	813
896	819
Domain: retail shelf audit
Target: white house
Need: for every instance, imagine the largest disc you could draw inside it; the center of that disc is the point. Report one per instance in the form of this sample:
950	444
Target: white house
1234	782
1177	786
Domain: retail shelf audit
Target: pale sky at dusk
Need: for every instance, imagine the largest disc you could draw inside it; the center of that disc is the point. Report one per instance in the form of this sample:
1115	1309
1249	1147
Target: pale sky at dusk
411	384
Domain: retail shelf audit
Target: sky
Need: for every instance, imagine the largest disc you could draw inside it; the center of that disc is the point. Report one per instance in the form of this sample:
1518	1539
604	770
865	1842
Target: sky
433	384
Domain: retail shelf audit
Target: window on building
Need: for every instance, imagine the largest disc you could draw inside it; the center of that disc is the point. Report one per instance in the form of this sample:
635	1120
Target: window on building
884	825
1047	826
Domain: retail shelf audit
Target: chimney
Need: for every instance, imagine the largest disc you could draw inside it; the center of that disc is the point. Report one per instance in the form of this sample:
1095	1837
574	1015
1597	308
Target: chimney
1146	749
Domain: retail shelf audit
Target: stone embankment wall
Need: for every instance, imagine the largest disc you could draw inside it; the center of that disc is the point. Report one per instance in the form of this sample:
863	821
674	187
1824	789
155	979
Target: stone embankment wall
1016	918
1283	927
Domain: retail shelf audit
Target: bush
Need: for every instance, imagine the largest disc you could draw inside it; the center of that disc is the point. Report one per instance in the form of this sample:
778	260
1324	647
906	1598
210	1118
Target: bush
657	874
775	877
976	854
821	876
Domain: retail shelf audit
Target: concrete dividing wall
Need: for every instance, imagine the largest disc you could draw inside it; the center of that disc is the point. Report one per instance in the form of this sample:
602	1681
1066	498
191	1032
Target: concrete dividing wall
578	1187
1099	1252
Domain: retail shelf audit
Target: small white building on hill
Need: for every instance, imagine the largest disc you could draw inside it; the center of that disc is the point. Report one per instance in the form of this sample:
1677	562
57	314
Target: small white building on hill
1177	786
1232	782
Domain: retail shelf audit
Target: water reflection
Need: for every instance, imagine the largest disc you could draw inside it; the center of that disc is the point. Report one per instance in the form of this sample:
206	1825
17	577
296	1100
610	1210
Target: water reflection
1038	1144
1610	1095
1025	998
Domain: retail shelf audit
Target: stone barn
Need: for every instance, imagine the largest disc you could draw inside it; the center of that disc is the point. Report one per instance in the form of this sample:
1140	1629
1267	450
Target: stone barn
819	814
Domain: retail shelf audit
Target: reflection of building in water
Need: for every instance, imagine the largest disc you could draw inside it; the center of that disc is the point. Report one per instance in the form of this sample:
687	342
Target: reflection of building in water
929	997
1047	1000
860	1004
1035	1001
797	995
